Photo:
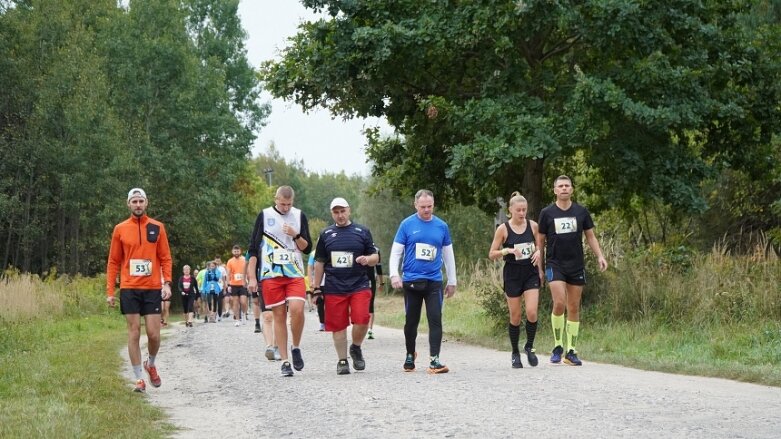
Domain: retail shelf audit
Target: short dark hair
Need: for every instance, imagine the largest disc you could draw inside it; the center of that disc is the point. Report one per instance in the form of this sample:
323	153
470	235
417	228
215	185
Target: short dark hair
237	247
563	177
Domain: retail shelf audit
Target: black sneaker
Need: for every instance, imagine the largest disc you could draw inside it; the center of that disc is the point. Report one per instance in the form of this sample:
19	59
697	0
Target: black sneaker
435	366
343	367
517	361
298	360
531	357
257	329
572	358
409	363
357	356
287	371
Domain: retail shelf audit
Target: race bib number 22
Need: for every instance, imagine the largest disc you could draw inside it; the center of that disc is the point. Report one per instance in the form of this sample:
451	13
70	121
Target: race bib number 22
566	225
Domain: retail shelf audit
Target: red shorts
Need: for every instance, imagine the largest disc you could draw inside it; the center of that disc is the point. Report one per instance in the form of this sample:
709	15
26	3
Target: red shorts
278	290
341	309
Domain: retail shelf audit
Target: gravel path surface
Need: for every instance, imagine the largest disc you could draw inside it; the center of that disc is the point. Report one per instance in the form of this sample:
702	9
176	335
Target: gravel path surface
217	383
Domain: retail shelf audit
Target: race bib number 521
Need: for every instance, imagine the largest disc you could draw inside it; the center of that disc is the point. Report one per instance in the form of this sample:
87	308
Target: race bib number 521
140	267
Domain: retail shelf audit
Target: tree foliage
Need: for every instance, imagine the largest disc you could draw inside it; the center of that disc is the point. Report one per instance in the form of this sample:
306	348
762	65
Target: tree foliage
487	97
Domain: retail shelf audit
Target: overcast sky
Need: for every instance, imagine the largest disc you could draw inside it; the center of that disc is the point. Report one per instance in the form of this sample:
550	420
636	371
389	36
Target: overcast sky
324	144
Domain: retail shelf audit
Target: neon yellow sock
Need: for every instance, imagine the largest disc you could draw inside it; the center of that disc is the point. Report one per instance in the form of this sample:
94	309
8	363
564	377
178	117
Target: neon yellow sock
572	335
558	328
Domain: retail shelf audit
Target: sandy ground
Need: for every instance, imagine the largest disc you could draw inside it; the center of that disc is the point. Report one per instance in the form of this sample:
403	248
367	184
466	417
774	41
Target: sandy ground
217	383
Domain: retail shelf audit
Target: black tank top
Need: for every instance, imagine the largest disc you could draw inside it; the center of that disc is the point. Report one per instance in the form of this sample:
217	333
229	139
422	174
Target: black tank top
515	238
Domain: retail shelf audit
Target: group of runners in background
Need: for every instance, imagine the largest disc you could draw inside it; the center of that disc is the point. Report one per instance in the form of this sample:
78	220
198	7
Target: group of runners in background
339	279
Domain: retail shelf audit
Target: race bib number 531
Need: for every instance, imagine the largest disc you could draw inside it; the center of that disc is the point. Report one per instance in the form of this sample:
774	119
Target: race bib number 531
140	267
566	225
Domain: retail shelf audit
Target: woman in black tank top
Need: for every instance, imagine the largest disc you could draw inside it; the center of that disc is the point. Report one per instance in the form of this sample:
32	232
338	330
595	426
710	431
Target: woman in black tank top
522	274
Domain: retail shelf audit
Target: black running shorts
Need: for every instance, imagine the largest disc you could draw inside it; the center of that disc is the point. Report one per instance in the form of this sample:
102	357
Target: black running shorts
142	302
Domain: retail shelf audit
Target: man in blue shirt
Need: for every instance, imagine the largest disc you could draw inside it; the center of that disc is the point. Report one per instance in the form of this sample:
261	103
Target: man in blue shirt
343	252
424	240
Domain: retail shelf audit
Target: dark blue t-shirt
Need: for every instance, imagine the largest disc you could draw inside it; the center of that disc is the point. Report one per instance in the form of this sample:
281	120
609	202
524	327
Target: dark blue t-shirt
337	248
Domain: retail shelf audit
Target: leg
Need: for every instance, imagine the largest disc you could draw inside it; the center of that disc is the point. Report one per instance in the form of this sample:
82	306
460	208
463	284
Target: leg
434	300
340	343
413	304
134	338
531	301
280	329
514	328
559	295
268	327
296	320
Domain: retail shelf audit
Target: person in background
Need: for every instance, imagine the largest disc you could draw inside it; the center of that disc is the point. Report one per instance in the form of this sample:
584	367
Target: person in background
188	287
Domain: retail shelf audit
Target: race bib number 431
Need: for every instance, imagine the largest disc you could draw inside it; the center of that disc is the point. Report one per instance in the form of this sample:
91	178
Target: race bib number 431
425	252
140	267
283	256
341	259
526	248
566	225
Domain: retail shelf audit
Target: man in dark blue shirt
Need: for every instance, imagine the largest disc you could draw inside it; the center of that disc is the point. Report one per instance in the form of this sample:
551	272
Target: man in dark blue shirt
343	252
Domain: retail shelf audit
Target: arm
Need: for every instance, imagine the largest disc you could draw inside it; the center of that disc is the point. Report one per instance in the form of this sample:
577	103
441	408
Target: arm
393	269
496	251
164	256
591	238
302	237
319	270
252	278
112	266
450	270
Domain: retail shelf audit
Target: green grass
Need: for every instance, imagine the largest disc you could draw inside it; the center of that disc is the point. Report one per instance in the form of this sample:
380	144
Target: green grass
742	352
60	379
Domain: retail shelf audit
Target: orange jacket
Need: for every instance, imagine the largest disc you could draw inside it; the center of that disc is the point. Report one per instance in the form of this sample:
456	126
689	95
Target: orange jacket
139	247
235	268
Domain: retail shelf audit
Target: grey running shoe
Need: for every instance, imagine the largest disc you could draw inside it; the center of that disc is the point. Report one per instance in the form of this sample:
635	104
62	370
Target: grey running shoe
277	357
270	353
357	356
286	370
298	360
343	367
517	361
435	366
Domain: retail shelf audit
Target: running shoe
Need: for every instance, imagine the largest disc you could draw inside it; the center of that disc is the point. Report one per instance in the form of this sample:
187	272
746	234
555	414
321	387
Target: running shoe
154	378
409	363
516	359
270	353
357	356
205	320
531	357
371	335
287	371
572	358
556	354
343	367
277	356
322	327
237	324
257	329
436	367
140	386
298	360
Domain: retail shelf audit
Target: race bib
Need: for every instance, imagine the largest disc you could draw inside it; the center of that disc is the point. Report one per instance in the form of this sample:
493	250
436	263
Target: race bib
341	259
140	267
238	276
526	248
186	285
566	225
283	256
425	252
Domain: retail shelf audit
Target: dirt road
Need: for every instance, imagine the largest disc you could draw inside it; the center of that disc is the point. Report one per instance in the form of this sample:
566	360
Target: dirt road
217	383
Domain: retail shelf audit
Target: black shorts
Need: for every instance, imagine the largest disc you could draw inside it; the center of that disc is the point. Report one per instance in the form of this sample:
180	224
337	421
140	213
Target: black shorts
572	277
142	302
261	303
238	291
519	278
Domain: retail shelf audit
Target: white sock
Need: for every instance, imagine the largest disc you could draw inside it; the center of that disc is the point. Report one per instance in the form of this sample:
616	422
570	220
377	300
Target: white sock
138	371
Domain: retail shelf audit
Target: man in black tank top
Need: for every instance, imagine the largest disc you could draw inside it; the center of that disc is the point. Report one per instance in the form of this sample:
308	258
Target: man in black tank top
514	242
562	226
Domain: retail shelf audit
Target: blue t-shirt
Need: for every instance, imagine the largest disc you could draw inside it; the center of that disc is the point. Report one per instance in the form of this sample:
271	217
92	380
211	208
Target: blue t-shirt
337	249
423	242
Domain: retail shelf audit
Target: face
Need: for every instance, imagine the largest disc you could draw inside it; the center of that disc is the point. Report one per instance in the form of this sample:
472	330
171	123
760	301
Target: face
563	189
186	270
341	215
137	206
518	210
212	266
283	204
236	252
425	207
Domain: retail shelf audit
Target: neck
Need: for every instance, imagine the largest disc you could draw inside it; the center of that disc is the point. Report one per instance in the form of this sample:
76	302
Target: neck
564	204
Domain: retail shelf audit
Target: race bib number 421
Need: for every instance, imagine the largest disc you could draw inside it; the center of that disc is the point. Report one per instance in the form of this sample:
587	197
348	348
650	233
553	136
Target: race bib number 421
140	267
566	225
425	252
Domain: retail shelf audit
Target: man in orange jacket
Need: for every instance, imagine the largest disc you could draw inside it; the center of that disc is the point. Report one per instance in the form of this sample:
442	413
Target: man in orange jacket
140	256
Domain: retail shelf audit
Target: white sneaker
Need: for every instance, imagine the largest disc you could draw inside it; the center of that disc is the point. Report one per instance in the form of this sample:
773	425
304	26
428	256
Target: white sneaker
237	324
270	353
277	357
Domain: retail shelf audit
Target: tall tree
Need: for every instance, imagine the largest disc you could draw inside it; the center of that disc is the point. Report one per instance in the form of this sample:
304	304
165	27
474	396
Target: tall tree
483	94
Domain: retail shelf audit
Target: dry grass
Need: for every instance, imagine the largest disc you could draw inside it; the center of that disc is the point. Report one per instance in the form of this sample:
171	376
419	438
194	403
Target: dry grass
24	297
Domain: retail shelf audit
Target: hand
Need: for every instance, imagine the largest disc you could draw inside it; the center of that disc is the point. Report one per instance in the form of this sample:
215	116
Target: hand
252	285
288	230
363	260
110	301
535	257
229	290
450	291
166	293
602	263
396	282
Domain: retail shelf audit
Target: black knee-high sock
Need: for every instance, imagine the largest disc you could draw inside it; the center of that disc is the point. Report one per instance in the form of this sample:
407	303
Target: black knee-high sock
515	334
531	331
